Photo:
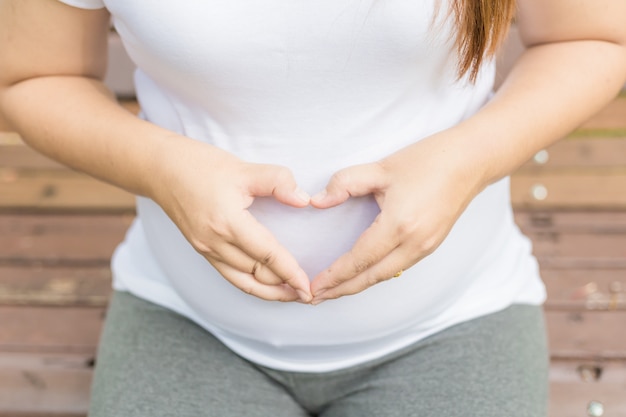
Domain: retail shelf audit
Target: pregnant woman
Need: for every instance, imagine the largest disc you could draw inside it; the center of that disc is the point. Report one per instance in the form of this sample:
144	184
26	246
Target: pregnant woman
323	219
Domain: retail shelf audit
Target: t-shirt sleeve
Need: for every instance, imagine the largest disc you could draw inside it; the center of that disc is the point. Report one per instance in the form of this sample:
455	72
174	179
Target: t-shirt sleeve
85	4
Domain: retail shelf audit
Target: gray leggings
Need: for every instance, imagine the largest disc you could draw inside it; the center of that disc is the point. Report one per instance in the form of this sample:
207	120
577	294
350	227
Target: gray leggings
153	362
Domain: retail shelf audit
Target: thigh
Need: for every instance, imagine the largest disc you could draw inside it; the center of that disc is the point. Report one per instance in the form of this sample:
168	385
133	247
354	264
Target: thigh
492	366
153	362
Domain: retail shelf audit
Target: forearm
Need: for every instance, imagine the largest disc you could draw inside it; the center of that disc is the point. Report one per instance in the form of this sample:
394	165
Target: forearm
551	90
76	121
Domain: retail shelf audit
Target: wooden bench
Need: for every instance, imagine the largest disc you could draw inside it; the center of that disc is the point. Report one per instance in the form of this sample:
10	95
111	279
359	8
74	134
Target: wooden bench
58	229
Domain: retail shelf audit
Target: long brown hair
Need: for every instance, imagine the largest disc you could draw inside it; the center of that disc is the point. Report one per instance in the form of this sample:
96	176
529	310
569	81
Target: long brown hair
481	26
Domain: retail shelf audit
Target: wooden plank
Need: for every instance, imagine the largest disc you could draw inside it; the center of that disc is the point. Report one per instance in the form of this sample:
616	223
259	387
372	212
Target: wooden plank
44	384
21	157
576	235
57	239
53	286
579	152
10	138
582	257
584	263
579	245
50	330
590	190
62	191
612	117
573	386
580	289
571	221
587	335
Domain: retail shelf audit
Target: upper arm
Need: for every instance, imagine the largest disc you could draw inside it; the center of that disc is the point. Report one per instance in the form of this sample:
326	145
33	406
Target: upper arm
46	37
548	21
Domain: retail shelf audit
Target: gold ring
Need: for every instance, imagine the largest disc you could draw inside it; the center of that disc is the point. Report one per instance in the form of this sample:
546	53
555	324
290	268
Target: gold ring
398	273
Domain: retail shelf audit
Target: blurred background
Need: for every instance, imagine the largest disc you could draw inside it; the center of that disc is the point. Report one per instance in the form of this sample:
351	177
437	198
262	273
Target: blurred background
58	229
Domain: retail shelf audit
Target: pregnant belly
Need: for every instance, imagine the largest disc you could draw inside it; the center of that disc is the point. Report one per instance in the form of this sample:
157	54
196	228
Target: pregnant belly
316	238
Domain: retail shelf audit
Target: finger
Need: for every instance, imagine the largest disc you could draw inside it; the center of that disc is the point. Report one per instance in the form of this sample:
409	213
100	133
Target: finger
355	181
390	267
256	241
370	248
278	182
250	285
241	261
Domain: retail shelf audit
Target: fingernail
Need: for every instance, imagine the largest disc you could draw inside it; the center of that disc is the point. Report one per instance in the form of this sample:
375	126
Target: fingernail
302	195
304	296
321	195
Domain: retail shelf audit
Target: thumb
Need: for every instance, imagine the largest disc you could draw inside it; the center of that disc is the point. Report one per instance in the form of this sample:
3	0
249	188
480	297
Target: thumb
278	182
355	181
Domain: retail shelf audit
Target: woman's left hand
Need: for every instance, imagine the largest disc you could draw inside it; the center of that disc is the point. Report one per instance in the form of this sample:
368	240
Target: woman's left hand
421	191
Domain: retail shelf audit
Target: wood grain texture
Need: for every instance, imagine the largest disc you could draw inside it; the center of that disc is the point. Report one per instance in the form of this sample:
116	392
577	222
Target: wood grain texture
60	190
585	289
556	244
571	221
587	335
21	157
573	154
44	384
59	239
584	190
10	138
33	285
612	117
50	330
571	391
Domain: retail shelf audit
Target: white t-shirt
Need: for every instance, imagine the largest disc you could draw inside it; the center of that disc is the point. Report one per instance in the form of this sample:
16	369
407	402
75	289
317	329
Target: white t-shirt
314	86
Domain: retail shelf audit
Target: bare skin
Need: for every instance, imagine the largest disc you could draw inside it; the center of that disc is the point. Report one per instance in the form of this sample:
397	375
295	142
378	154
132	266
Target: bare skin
51	68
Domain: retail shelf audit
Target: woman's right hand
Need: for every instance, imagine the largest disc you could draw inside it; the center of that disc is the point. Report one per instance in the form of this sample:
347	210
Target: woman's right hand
207	191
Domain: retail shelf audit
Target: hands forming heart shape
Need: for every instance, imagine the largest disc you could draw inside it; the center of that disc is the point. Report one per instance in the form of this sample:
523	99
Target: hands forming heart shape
420	190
